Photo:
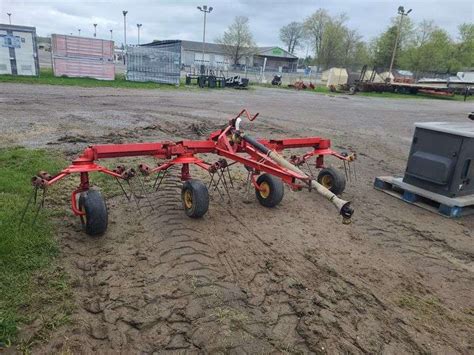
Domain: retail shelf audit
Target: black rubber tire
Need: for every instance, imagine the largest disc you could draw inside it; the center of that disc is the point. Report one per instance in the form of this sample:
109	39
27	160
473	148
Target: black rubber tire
199	199
96	218
337	180
275	193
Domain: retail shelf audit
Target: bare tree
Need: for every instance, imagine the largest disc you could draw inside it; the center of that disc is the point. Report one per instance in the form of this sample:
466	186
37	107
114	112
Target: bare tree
352	40
328	37
291	35
238	41
314	27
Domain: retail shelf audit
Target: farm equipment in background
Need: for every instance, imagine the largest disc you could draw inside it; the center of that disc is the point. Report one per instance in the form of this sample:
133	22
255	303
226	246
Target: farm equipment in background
267	171
361	82
237	82
276	81
301	85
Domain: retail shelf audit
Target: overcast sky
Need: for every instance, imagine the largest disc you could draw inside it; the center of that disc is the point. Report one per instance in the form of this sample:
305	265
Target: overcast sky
164	19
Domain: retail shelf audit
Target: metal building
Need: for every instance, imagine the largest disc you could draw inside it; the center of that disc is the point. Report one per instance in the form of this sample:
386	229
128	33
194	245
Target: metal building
216	56
75	56
18	50
159	64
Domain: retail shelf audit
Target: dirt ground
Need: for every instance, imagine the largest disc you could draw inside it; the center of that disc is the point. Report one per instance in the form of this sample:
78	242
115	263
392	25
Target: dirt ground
245	279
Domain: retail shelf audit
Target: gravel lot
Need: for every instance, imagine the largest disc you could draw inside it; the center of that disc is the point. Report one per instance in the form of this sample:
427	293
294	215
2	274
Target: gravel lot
247	279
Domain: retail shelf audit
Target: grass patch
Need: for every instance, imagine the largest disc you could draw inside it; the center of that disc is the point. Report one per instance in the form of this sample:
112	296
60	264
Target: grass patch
34	291
426	306
429	309
47	78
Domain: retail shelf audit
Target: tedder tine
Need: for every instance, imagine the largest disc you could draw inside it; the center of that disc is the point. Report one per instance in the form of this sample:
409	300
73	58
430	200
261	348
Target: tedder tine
161	176
215	185
247	187
218	180
40	205
350	173
134	195
123	190
230	177
310	170
211	181
224	183
144	191
33	195
345	169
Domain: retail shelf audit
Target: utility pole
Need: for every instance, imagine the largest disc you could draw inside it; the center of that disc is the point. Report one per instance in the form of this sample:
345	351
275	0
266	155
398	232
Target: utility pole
95	30
124	12
9	17
401	12
206	11
79	30
111	34
139	25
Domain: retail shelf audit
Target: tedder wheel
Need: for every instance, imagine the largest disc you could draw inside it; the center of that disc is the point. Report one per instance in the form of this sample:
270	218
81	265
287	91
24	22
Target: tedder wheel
95	220
271	190
333	180
195	198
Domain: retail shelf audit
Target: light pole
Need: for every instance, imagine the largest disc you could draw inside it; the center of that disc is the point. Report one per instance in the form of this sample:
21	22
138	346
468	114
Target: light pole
139	25
79	30
401	12
9	17
95	30
124	12
206	11
111	34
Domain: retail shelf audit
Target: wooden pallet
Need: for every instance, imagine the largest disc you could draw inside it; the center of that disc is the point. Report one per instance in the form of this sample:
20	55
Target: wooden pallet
450	207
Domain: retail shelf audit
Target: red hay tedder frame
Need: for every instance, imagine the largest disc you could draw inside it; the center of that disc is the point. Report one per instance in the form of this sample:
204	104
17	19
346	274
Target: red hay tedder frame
223	142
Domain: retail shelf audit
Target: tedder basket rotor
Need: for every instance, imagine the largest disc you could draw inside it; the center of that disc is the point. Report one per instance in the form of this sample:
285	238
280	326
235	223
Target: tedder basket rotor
262	158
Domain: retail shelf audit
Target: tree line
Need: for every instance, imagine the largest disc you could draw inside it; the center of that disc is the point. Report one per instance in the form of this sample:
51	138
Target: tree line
329	42
423	47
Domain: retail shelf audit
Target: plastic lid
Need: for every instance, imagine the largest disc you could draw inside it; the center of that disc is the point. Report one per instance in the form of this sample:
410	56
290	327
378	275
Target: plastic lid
465	129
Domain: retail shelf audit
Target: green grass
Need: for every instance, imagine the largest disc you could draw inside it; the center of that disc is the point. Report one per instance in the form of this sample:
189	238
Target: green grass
46	77
33	287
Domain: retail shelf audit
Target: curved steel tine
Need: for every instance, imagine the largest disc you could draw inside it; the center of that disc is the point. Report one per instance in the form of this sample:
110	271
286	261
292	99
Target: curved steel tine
144	191
33	194
230	177
40	205
121	187
161	176
134	195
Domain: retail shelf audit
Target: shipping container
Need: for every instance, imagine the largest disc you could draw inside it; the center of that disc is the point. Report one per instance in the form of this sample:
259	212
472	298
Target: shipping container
18	50
76	56
157	64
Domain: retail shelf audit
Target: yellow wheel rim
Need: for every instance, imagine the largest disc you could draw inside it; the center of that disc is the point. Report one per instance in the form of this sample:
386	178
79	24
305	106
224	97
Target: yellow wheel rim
264	189
188	199
326	181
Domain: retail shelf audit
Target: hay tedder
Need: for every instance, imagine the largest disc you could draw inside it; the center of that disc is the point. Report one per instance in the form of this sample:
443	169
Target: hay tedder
267	171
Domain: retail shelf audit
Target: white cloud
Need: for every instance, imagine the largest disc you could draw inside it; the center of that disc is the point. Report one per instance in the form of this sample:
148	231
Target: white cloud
181	20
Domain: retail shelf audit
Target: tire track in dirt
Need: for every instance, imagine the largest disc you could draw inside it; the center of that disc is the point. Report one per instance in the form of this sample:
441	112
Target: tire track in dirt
155	282
299	316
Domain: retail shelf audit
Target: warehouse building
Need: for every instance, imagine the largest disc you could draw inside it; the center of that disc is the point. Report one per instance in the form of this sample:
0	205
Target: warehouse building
216	56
